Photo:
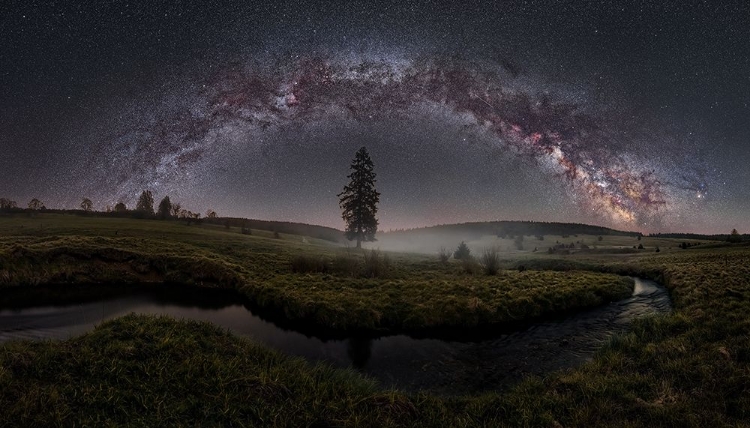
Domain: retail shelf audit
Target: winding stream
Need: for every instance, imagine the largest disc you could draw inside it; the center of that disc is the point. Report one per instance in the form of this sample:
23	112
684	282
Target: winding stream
438	365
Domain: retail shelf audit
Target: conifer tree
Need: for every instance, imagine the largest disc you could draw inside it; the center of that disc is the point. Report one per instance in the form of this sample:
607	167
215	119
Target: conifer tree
359	200
165	208
145	204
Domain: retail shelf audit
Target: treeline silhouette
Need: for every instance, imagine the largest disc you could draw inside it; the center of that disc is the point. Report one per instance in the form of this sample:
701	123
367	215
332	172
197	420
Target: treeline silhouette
731	237
509	229
168	211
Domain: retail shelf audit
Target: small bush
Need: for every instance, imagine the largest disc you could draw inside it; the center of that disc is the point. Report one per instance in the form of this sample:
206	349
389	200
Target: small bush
276	235
462	252
491	261
444	255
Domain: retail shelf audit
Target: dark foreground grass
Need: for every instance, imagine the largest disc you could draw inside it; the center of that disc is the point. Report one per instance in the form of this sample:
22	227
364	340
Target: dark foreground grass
691	368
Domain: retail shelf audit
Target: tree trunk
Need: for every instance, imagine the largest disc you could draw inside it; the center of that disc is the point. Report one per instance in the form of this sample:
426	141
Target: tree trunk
359	236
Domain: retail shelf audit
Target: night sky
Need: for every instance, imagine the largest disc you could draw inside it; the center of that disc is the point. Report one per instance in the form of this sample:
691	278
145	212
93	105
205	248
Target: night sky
626	114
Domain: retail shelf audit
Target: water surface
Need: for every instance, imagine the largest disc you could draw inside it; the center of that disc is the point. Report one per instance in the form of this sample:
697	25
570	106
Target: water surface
442	366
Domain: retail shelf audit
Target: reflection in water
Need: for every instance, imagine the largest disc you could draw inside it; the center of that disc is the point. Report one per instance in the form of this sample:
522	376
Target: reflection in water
441	366
359	350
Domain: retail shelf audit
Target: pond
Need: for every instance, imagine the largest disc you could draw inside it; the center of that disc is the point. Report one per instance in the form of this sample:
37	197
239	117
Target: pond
442	364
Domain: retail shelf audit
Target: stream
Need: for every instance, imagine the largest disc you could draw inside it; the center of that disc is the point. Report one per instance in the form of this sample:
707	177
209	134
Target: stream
439	365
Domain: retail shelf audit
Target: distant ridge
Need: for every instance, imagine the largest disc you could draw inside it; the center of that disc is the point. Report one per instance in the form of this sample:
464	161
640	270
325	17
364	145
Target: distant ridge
311	230
513	228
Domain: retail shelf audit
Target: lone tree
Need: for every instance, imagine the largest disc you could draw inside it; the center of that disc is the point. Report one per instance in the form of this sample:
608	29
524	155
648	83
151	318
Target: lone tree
145	204
359	200
120	207
87	205
734	236
165	208
35	204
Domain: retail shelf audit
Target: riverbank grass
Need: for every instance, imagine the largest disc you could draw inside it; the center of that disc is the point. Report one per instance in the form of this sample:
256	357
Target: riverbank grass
300	281
689	368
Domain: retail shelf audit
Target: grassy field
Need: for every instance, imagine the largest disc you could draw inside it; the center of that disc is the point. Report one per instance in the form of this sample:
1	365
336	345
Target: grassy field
303	280
690	368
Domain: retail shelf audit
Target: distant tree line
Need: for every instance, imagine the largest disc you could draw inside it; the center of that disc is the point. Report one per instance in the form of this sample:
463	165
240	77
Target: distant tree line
733	236
168	210
513	229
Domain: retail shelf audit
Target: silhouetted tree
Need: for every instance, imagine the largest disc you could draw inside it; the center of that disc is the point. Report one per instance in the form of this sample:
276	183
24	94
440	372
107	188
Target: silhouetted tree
359	200
462	252
7	204
145	205
211	214
176	209
35	204
165	208
120	207
734	236
87	205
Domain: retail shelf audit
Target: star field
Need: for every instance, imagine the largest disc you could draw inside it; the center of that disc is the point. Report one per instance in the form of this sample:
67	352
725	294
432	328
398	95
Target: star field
626	114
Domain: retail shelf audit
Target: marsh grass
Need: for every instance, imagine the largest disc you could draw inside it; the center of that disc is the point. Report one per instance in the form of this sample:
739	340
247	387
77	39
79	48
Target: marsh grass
491	261
377	264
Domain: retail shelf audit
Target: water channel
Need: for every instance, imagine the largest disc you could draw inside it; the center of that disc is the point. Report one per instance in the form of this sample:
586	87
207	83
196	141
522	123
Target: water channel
440	364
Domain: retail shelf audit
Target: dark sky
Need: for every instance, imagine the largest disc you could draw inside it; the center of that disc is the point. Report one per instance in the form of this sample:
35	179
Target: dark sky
627	114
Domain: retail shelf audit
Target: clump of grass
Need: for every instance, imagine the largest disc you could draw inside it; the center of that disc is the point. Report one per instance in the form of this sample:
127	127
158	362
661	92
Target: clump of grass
377	264
491	261
304	263
346	264
469	265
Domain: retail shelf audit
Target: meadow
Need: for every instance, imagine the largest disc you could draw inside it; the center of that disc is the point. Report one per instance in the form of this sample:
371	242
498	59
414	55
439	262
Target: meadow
689	368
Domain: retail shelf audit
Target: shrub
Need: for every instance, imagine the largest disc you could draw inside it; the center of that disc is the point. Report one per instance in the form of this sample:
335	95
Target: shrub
444	255
462	252
491	261
276	235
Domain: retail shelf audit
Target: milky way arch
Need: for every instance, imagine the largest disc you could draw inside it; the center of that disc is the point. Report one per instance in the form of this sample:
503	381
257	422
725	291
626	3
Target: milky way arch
558	136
